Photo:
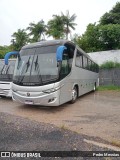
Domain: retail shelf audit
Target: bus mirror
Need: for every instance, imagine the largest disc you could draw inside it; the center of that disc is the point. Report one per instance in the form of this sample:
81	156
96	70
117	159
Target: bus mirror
7	55
59	53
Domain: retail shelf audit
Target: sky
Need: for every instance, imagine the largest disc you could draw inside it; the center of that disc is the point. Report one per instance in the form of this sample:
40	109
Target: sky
17	14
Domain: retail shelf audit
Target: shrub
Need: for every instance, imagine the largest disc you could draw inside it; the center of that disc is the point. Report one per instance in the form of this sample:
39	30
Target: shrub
109	65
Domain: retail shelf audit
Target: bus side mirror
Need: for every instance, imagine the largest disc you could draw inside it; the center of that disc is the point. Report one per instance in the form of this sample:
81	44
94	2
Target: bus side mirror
7	55
59	53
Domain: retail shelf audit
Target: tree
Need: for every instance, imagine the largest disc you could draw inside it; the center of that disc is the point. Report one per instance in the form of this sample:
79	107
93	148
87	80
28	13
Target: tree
100	37
112	17
68	22
37	31
56	27
89	41
103	36
109	36
4	50
20	39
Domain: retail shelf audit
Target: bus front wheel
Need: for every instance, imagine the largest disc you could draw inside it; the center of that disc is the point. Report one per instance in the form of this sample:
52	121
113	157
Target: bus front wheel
74	94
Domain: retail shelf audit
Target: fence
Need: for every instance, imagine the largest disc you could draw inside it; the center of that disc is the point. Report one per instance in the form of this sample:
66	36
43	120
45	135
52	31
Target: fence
109	77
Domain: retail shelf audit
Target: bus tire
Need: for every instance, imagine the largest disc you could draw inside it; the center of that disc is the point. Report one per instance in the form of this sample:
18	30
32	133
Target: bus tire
74	94
2	96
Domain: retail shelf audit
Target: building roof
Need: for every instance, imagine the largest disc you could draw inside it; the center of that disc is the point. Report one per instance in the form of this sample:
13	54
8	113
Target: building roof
104	56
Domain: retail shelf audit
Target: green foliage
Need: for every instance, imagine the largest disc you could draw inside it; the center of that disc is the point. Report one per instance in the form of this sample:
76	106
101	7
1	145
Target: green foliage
68	22
60	25
4	50
112	17
109	65
100	37
37	31
109	36
109	87
55	27
89	41
103	36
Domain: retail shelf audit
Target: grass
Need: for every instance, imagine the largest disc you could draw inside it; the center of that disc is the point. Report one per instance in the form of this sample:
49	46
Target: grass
63	127
109	87
115	143
67	128
107	158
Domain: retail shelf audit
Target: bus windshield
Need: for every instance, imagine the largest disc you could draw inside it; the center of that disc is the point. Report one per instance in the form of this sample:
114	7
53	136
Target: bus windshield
36	66
6	71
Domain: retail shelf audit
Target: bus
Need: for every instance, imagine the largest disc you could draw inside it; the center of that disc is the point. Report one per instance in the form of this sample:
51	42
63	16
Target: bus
51	73
6	75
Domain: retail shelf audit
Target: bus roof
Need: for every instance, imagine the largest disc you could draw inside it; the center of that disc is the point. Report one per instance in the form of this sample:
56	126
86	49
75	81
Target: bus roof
54	42
46	43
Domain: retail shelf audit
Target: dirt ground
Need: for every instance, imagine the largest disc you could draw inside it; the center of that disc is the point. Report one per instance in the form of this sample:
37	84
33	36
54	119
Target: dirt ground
95	114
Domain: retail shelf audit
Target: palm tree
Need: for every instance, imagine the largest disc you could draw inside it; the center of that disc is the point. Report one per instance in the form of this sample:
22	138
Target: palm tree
37	30
56	27
20	39
68	22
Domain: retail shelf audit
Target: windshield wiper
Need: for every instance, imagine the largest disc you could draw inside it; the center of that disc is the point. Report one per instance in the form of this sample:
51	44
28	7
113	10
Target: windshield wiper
36	62
5	69
37	67
2	69
7	72
28	64
4	73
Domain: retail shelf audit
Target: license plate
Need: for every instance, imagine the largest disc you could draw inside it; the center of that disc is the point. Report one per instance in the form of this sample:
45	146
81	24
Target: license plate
28	102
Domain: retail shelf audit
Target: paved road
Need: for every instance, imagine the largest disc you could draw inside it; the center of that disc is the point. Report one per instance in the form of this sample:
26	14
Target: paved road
94	117
95	114
22	134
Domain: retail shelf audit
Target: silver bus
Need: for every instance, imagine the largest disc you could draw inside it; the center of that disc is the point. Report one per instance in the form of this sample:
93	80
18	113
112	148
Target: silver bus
51	73
6	75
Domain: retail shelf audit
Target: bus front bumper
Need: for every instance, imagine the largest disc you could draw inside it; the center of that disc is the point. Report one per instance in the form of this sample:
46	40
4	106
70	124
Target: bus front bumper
51	99
5	89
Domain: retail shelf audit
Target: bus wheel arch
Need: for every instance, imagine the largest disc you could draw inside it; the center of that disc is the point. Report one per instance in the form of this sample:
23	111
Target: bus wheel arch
75	93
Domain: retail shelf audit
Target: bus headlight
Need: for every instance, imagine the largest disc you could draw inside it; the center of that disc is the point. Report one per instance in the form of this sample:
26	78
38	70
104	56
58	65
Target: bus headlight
51	90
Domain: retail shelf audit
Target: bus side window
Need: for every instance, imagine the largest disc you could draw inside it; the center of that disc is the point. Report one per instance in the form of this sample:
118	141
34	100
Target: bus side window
79	59
85	62
70	51
89	64
67	60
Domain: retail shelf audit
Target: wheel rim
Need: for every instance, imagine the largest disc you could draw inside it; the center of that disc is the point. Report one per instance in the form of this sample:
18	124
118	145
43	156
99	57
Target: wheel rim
74	94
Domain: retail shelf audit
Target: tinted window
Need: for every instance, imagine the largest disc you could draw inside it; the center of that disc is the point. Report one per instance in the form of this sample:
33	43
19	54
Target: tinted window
79	59
85	62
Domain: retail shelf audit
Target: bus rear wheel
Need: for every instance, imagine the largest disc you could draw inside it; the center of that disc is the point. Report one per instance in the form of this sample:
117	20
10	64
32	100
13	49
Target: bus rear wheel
74	94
